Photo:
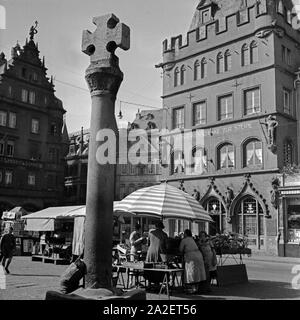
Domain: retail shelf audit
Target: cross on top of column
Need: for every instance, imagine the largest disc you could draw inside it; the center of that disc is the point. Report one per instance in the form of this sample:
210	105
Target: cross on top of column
108	36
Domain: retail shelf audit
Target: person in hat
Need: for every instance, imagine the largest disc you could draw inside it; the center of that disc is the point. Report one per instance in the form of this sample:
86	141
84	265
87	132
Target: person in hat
157	244
7	247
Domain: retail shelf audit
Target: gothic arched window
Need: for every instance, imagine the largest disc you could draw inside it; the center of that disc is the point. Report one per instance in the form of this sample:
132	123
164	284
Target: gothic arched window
245	55
253	52
250	218
228	60
226	156
217	211
220	63
197	70
203	68
253	154
182	75
176	77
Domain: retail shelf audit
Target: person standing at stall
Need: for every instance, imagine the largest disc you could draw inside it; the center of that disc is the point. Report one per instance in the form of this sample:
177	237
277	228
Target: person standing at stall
209	255
7	247
194	269
136	241
157	251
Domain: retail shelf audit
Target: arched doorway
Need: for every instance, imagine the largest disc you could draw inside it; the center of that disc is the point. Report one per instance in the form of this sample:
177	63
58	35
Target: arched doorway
248	220
217	211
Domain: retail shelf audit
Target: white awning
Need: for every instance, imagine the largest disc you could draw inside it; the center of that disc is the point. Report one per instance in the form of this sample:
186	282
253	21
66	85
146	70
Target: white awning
43	220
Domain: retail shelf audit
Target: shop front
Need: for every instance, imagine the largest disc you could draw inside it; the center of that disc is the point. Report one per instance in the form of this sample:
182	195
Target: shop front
289	211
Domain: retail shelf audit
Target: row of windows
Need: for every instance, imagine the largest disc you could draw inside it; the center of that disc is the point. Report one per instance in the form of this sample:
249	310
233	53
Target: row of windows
7	148
251	104
27	96
10	119
252	157
249	55
6	177
31	76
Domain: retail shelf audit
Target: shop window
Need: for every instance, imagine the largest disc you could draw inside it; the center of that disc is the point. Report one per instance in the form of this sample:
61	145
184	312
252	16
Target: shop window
294	224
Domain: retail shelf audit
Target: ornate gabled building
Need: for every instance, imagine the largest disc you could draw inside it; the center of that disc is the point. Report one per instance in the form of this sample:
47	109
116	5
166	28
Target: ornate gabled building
33	134
233	80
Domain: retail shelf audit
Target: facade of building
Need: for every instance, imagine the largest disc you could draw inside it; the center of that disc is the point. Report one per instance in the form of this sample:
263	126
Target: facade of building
33	135
76	168
231	80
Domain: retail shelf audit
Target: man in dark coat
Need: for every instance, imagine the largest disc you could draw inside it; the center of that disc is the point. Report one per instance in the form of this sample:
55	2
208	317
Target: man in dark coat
7	247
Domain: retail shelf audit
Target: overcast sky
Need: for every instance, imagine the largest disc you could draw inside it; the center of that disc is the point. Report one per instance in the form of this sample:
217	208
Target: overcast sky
59	37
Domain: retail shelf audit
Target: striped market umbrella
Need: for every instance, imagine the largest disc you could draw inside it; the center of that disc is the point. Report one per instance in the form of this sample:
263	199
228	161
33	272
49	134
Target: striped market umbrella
165	202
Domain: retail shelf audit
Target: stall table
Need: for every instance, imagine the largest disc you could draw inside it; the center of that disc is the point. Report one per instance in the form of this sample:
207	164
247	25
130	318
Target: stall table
168	273
231	273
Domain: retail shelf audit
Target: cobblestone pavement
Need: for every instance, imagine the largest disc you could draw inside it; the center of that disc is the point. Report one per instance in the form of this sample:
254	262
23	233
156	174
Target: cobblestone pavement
267	280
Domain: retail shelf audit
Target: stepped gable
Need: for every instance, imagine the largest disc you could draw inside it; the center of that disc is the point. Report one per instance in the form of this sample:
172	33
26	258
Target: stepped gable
235	17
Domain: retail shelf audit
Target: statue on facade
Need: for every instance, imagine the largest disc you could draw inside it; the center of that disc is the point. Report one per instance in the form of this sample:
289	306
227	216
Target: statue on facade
33	31
275	193
271	123
229	196
196	195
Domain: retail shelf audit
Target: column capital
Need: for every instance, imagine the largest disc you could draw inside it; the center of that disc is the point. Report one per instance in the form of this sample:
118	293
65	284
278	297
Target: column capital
104	76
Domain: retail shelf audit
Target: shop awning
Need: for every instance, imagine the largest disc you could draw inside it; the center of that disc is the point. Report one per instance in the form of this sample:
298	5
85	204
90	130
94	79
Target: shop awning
43	220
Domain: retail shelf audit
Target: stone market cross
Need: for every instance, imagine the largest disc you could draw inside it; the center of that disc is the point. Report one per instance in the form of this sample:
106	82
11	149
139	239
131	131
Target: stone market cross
109	35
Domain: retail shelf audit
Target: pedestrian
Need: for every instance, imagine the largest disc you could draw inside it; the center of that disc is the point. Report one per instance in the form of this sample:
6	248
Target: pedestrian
7	247
136	241
209	255
157	251
194	269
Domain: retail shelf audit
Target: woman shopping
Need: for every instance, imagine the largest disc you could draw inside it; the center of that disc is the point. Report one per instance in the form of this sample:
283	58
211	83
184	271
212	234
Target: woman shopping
194	269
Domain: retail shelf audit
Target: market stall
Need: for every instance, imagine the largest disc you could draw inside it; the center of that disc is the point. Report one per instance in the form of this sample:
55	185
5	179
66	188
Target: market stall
230	249
24	238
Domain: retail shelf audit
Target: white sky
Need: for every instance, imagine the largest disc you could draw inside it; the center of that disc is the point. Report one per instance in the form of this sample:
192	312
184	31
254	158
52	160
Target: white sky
59	37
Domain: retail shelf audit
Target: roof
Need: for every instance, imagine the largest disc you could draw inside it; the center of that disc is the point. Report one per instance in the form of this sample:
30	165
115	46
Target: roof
57	212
